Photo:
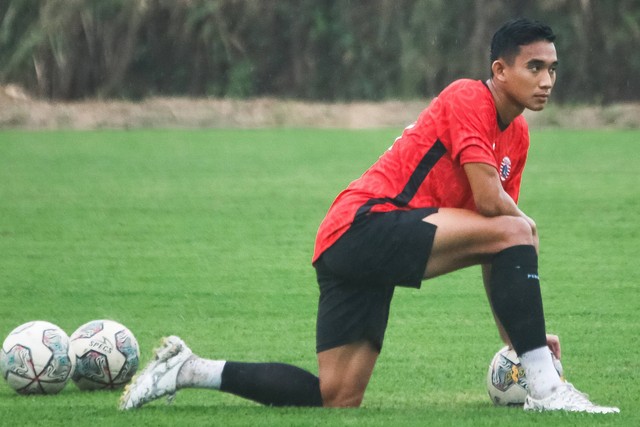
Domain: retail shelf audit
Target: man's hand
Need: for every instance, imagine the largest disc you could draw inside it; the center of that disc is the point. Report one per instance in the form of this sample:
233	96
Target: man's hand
553	342
491	199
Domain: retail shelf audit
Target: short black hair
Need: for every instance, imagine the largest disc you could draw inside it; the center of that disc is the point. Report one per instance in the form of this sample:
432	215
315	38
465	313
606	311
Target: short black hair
512	34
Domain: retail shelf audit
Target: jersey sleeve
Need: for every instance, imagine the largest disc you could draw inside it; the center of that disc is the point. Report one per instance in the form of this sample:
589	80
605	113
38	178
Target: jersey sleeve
472	119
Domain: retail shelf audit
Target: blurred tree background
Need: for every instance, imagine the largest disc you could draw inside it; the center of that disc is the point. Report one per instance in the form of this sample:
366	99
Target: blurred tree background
329	50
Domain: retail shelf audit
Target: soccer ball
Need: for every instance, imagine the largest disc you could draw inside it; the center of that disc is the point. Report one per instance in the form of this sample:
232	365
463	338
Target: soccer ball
35	358
506	382
106	355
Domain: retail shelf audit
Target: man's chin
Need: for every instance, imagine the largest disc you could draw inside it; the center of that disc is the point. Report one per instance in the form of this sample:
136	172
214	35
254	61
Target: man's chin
536	107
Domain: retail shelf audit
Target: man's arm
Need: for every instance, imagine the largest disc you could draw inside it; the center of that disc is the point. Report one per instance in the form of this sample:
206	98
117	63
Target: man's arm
489	196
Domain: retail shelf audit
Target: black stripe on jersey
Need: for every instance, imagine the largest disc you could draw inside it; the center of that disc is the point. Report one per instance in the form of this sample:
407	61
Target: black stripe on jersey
415	180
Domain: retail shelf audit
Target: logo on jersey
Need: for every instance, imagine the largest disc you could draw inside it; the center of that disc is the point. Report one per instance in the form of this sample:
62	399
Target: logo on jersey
505	168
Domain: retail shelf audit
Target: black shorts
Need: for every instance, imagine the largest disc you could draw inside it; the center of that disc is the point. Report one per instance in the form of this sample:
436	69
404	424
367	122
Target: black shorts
358	273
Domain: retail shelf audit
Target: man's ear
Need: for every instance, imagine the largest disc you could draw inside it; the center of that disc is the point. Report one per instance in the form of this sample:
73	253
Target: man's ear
498	67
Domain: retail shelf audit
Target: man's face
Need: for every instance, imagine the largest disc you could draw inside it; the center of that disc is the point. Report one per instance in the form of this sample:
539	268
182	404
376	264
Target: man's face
531	76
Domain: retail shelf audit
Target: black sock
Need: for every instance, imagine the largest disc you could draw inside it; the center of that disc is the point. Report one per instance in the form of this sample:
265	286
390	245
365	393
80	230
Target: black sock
274	384
516	298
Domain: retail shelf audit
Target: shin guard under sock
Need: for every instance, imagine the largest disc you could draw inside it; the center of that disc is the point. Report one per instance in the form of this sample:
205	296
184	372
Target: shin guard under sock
516	298
274	384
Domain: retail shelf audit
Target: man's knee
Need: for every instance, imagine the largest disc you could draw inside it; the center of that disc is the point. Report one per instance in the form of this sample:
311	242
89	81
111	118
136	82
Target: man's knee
344	373
515	231
339	394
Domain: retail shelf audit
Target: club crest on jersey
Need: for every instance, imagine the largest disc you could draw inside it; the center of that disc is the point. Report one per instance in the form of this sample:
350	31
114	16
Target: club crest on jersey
505	168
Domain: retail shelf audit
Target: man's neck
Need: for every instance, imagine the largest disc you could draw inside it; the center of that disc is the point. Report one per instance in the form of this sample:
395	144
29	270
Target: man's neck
505	107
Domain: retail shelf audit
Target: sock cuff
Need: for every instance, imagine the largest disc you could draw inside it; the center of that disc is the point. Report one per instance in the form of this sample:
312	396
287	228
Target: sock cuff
517	255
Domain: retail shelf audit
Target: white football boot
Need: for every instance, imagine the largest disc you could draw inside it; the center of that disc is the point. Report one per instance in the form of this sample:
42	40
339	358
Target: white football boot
567	398
159	376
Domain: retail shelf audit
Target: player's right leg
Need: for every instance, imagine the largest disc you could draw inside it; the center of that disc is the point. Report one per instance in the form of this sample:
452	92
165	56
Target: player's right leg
158	378
175	366
344	373
357	277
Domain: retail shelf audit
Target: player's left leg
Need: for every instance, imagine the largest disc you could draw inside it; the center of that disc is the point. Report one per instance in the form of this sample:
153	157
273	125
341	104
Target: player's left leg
506	244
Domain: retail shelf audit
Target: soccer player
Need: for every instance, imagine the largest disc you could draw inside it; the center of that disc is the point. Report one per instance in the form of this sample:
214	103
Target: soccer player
442	198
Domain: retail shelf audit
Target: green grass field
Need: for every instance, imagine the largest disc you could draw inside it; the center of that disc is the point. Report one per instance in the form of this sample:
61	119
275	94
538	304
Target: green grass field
209	234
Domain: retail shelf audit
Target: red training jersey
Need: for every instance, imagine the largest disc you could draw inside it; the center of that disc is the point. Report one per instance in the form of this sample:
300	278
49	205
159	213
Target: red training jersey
423	167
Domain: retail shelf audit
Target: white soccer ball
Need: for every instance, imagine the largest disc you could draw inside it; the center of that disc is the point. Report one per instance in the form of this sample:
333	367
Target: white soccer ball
35	358
106	355
506	381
